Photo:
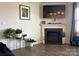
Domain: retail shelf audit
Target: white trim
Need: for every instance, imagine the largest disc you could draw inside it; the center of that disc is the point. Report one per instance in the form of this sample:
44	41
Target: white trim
54	26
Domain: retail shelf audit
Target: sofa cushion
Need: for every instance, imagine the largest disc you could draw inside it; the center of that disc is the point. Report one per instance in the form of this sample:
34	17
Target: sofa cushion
4	50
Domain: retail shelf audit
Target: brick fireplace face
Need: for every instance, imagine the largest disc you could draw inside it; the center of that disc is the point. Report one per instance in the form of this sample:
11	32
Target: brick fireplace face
53	36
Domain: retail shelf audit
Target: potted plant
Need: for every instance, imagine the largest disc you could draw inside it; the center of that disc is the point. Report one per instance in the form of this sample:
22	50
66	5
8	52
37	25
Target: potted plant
18	33
9	33
29	42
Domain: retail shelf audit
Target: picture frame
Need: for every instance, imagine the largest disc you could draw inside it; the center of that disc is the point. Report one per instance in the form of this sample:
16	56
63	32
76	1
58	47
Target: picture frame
24	12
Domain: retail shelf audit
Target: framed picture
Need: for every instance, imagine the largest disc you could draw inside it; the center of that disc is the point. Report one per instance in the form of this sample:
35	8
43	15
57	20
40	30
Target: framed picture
24	12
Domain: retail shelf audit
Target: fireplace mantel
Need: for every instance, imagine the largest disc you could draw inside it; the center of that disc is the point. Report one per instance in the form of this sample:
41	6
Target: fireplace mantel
55	25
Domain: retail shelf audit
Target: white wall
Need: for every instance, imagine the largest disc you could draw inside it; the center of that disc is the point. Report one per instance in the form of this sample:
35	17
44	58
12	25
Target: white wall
9	18
68	16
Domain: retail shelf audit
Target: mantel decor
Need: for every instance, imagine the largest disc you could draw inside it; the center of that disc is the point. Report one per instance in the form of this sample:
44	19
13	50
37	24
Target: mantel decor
24	12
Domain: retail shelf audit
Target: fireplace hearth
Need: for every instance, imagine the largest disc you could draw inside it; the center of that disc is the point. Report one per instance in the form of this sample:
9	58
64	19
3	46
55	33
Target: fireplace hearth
53	35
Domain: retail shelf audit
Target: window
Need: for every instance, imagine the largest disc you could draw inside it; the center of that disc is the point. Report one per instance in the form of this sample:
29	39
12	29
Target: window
77	20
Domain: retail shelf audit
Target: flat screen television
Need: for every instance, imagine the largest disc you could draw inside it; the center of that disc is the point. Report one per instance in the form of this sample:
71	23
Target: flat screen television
53	11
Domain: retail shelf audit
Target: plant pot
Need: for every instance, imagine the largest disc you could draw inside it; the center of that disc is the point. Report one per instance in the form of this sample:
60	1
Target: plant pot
18	36
29	44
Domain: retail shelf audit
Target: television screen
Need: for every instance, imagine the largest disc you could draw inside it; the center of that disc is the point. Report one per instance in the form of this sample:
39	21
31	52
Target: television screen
51	11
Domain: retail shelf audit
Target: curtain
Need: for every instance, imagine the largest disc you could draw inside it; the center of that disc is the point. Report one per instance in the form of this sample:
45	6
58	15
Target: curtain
74	5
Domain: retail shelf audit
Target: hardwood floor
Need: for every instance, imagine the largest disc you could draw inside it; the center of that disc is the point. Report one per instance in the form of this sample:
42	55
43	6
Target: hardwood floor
48	50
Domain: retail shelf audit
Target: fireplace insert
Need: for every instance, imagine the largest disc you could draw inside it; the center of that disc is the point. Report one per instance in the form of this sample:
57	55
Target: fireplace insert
53	36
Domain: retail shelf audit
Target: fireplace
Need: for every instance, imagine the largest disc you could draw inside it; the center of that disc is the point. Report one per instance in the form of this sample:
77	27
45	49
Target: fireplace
53	35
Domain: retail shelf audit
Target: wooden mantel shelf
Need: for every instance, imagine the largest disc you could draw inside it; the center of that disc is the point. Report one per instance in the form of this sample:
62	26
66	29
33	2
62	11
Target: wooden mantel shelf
54	24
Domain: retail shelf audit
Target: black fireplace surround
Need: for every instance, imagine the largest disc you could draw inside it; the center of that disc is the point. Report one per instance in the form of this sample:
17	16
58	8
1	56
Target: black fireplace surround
53	35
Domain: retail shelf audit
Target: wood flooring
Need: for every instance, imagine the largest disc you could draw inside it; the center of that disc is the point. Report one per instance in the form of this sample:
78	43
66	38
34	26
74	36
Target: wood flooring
48	50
